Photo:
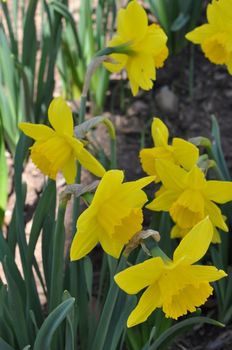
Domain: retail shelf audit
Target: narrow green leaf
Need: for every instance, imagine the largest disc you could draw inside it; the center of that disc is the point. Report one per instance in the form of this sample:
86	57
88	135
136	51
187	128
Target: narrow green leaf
50	325
178	328
5	346
3	178
16	307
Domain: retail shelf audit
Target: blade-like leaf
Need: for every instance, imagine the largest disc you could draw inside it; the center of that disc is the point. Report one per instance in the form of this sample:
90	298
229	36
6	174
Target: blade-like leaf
50	325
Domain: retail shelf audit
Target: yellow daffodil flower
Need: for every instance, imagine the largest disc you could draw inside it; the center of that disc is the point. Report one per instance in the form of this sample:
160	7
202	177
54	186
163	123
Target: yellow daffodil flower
113	217
177	286
215	37
181	152
145	49
57	149
189	197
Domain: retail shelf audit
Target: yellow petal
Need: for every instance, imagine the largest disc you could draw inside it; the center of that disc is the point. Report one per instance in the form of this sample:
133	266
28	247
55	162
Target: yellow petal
36	132
196	179
69	170
90	163
172	176
108	186
149	301
86	237
149	155
201	273
134	13
200	34
185	153
110	245
216	236
163	201
195	244
141	70
219	191
215	215
137	277
131	192
118	64
159	132
178	232
60	116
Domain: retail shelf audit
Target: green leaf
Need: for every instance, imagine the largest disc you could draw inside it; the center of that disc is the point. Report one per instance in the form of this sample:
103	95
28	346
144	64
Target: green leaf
217	149
5	346
180	327
16	307
179	22
50	325
3	179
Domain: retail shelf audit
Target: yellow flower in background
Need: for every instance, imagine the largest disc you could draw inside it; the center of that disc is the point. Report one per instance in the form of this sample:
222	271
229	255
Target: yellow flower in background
215	37
181	152
178	232
114	216
177	286
189	197
57	149
146	47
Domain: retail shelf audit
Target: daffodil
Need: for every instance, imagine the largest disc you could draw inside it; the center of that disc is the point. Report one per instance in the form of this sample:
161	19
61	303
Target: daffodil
177	286
145	47
181	152
113	217
215	37
56	149
189	197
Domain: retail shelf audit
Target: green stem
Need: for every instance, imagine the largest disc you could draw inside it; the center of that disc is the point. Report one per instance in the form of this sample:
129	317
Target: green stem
157	252
113	153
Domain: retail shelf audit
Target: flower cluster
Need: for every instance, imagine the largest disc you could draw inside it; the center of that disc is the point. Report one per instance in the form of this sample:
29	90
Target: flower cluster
115	214
215	37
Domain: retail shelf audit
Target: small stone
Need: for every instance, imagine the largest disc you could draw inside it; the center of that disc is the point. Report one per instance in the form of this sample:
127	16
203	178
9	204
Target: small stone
167	100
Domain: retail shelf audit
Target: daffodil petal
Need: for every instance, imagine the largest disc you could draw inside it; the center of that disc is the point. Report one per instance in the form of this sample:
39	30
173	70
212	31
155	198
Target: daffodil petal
137	277
159	132
132	194
86	237
109	245
109	186
163	201
119	62
126	22
60	116
185	153
219	191
149	301
206	273
90	163
215	215
172	176
199	34
195	244
69	170
36	132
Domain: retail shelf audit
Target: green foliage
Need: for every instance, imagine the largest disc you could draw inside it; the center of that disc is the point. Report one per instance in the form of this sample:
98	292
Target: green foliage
27	73
177	17
79	45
